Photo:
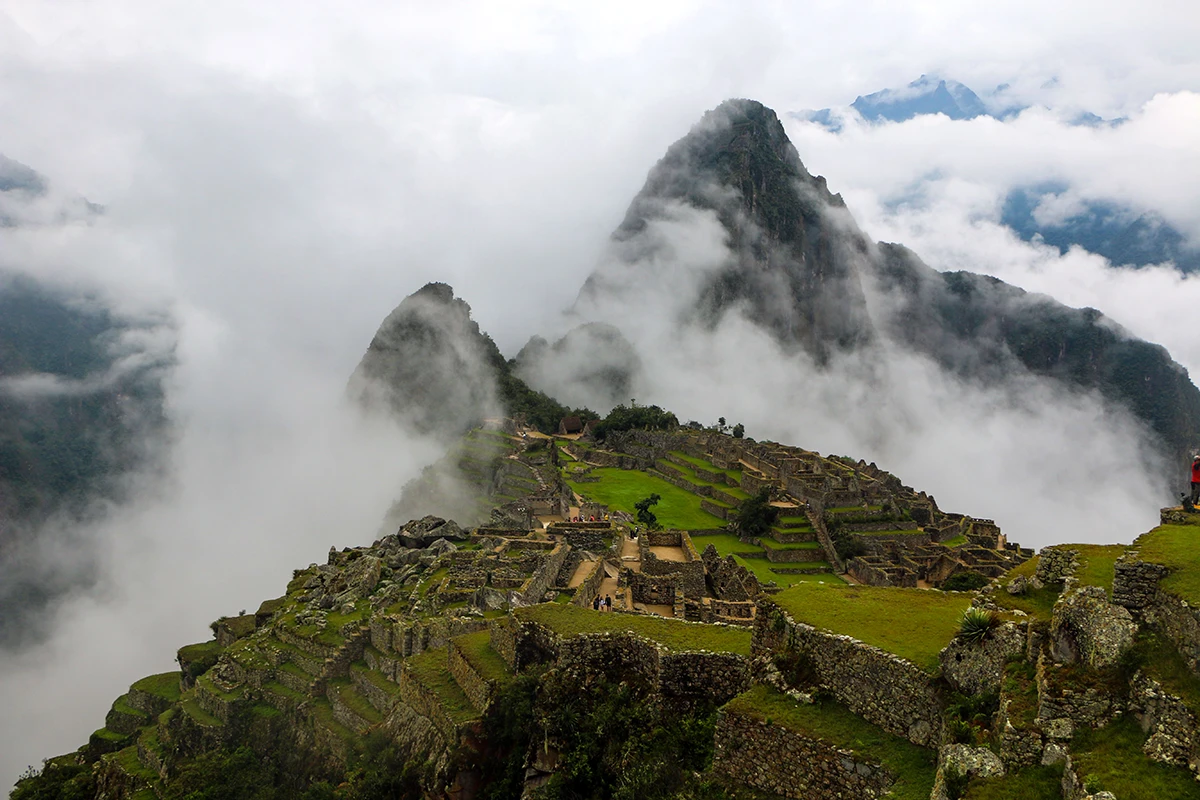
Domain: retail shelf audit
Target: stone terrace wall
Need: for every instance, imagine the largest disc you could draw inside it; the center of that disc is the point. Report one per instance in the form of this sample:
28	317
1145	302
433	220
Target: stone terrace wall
719	676
883	689
477	689
586	591
688	676
654	589
543	577
774	759
426	703
661	538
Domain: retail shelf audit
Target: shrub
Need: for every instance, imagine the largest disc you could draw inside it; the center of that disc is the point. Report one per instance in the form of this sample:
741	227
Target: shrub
977	623
756	515
966	581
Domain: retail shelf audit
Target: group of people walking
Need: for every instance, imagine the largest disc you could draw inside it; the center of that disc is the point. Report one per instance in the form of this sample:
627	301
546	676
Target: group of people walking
602	603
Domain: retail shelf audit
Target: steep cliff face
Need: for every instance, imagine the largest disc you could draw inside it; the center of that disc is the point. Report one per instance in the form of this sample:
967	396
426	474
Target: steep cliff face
791	264
430	365
984	329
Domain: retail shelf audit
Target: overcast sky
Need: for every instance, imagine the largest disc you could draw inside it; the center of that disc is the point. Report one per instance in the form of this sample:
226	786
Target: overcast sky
279	175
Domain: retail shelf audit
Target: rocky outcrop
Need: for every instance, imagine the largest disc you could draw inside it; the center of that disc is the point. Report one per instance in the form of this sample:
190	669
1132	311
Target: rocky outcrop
1086	627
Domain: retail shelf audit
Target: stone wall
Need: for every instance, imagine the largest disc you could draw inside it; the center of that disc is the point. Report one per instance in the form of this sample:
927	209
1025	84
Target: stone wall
542	578
586	591
1135	584
1174	738
426	703
1065	692
1056	565
773	759
882	688
477	689
714	676
502	634
654	589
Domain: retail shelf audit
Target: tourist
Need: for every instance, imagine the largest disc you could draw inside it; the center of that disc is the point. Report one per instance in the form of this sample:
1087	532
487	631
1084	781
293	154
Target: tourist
608	602
1195	478
596	603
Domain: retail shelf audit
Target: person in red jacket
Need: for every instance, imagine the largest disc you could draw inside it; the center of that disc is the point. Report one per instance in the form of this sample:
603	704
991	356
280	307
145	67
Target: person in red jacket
1195	478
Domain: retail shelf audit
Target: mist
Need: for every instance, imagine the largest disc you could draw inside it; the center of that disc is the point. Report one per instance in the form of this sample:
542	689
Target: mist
274	183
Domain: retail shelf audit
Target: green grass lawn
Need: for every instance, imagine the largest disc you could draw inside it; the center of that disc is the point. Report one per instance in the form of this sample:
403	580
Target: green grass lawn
955	541
1096	563
771	544
619	489
765	571
1113	757
1035	602
912	623
736	474
671	634
164	685
1177	547
432	670
1030	783
913	766
477	649
726	544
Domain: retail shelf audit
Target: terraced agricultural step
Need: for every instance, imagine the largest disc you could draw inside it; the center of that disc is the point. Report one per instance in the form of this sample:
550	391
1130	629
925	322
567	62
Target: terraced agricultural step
350	707
150	752
282	697
124	719
107	741
380	691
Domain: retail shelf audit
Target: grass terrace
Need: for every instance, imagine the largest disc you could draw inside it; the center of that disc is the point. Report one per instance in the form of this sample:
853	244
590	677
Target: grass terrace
619	489
915	624
672	634
1112	758
164	685
736	474
726	543
1176	547
732	493
1037	603
771	544
765	571
913	766
1096	563
1030	783
477	649
430	668
1162	661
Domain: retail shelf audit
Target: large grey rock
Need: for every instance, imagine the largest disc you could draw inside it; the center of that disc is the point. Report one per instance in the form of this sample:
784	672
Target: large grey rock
1086	627
962	759
423	532
977	667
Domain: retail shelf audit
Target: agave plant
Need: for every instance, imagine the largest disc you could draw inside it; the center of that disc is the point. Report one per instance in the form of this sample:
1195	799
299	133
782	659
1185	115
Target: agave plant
977	623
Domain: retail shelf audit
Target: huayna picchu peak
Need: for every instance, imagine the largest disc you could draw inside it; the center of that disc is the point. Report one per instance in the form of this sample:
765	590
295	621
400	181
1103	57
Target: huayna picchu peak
585	598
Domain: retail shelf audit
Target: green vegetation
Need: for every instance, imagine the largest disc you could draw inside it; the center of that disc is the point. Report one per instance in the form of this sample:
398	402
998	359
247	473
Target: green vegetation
620	489
1096	563
616	744
196	659
707	465
1156	654
913	766
1019	685
671	634
56	781
430	668
1037	603
771	544
1177	547
756	516
1111	759
625	418
1030	783
726	544
477	650
766	571
164	685
644	514
977	623
965	581
929	620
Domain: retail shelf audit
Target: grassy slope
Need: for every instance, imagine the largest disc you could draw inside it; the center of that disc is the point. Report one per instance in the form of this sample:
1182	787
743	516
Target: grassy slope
432	670
672	634
1031	783
928	622
1177	547
1113	756
477	649
913	766
619	489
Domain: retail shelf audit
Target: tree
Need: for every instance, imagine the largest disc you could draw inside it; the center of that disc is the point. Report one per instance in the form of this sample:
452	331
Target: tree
644	514
756	515
739	431
721	424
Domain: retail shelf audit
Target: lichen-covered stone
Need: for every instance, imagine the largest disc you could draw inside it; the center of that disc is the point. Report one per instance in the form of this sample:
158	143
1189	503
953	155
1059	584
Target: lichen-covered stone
961	759
976	667
1086	627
